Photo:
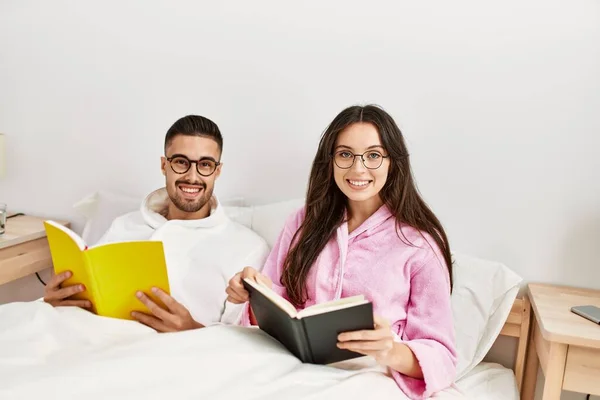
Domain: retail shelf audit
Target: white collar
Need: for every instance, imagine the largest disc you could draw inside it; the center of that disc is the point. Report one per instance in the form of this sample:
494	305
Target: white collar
157	201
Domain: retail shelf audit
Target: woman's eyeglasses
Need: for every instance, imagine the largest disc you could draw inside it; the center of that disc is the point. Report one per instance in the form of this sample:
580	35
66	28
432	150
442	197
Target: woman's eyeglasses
371	159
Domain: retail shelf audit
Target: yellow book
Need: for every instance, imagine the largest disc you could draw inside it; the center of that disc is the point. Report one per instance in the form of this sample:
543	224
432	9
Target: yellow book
112	273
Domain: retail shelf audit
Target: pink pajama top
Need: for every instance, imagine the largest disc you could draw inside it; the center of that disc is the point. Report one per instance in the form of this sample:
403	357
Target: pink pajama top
407	284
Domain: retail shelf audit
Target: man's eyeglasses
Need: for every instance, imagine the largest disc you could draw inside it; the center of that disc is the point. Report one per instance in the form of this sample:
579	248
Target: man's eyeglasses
371	159
205	166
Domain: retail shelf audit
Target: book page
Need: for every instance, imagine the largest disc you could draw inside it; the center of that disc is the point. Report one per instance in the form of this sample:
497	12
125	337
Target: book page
332	306
67	255
75	237
274	297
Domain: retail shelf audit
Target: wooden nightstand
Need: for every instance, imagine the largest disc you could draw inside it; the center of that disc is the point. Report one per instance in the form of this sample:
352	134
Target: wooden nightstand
565	345
24	248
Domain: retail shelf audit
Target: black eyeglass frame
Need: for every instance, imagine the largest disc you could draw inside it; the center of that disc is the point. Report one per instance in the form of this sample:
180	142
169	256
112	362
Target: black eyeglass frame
361	157
197	162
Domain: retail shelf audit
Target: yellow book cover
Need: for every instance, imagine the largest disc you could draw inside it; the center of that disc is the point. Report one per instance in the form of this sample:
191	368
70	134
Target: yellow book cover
112	273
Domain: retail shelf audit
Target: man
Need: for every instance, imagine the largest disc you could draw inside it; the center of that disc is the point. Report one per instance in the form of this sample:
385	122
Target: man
203	247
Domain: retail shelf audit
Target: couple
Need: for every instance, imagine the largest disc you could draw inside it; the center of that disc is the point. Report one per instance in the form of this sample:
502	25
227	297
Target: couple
363	230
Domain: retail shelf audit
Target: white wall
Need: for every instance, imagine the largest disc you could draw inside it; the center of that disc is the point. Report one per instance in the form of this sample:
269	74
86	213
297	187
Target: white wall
500	104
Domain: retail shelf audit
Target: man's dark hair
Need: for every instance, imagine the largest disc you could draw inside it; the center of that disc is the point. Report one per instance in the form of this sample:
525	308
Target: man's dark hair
194	125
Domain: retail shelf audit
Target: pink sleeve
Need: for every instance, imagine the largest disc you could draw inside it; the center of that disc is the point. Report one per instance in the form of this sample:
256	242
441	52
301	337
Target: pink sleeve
274	264
429	332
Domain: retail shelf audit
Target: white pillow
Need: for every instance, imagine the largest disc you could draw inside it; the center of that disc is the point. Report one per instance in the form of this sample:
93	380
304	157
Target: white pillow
101	208
482	297
268	219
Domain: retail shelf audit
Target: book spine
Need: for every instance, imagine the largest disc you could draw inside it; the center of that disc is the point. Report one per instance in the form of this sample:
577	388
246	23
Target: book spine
94	292
305	343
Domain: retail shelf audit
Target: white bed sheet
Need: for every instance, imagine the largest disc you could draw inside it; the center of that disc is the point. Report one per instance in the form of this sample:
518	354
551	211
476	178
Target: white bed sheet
67	353
487	381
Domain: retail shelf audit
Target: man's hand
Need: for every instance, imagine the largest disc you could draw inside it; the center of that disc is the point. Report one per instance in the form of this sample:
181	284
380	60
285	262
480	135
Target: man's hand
58	296
176	318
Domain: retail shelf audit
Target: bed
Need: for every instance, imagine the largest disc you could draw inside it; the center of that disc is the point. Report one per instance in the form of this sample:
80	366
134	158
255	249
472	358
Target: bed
68	353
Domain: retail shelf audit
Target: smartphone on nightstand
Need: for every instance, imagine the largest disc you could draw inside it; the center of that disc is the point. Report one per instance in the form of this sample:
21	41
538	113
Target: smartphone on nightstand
589	312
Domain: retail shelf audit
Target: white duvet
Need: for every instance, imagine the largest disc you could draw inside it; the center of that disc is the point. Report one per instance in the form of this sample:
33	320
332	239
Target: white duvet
67	353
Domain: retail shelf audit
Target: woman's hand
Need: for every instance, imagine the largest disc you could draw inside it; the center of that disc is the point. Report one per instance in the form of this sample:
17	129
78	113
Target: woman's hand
377	343
236	293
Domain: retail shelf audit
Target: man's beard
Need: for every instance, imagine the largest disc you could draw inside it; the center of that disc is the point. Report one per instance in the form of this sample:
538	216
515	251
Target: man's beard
191	206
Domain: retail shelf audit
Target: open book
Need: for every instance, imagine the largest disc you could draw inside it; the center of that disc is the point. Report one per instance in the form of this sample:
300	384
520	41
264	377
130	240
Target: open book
310	334
112	273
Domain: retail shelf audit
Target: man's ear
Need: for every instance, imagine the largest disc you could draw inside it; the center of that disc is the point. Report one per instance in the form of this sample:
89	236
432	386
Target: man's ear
163	165
218	171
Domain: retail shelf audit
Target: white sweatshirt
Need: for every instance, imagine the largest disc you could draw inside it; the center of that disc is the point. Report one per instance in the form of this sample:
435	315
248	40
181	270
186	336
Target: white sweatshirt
201	255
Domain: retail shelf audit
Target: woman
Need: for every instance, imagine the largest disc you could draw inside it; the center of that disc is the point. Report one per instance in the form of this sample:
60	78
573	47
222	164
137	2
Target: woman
365	230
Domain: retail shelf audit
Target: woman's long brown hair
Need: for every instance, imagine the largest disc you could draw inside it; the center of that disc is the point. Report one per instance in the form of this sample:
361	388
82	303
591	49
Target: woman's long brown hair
325	203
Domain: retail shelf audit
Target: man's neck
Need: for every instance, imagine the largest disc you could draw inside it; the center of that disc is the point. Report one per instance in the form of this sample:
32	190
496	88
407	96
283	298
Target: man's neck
172	212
